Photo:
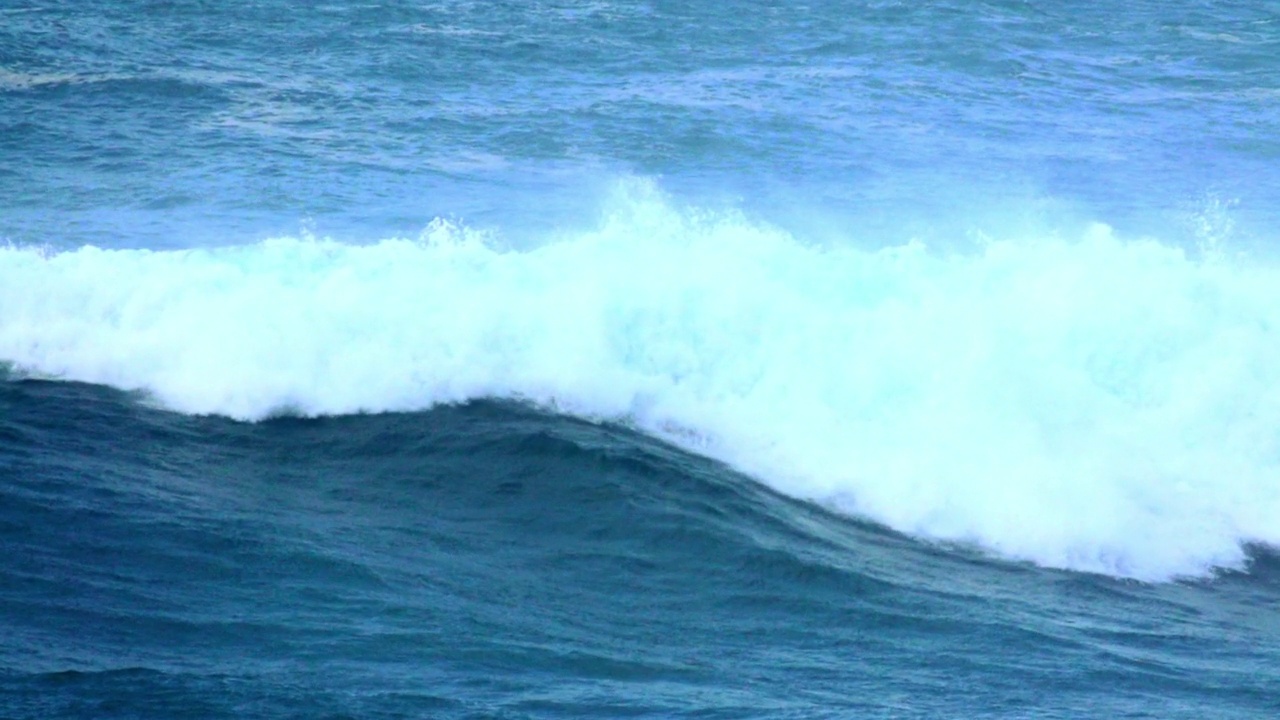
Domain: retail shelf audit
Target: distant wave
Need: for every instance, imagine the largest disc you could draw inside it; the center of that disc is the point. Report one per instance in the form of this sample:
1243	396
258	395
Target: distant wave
1089	403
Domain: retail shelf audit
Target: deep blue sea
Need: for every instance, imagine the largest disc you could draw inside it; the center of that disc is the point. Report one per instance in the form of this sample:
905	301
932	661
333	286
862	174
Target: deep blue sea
625	359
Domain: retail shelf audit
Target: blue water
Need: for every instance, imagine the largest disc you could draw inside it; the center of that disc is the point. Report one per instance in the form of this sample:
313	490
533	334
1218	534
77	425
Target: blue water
604	359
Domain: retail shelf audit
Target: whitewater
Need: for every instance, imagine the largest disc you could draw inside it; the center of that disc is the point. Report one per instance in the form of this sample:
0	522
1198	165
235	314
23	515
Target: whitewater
1089	402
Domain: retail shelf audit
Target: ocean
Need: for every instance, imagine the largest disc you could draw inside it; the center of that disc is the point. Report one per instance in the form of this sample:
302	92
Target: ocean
831	359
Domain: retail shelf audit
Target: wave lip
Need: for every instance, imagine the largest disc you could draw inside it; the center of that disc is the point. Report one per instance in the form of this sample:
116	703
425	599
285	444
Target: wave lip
1094	404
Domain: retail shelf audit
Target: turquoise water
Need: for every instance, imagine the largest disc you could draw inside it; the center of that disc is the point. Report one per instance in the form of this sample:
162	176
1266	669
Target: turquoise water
578	359
180	124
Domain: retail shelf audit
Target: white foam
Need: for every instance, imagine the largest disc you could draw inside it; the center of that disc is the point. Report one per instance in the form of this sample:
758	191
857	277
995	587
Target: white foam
1091	403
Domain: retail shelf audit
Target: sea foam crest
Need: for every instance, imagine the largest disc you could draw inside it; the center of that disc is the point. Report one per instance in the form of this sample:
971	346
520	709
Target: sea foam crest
1088	403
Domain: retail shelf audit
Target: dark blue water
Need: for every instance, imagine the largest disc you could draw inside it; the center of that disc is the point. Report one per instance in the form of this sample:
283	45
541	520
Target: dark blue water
662	359
490	560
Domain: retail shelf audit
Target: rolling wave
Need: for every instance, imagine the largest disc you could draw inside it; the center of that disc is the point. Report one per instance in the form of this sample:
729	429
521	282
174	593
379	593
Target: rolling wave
1093	403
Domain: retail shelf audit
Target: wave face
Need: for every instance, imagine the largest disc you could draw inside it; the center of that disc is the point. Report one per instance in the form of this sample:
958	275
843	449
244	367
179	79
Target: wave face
1093	403
489	559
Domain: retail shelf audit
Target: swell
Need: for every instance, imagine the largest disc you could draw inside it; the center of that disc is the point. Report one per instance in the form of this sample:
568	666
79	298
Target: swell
492	539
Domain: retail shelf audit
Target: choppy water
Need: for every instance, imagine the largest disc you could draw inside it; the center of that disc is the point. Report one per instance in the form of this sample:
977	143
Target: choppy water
639	359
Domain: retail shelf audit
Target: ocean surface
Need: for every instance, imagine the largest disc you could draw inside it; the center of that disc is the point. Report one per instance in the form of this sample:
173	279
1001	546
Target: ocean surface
660	359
